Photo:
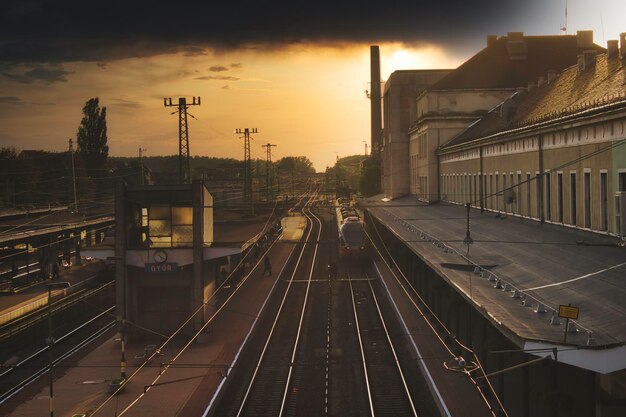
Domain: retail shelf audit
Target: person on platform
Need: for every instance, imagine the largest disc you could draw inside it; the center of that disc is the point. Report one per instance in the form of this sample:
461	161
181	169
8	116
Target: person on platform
332	270
267	266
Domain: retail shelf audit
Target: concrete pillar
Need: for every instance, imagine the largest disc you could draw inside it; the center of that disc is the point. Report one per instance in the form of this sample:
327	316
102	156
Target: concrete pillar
120	254
198	255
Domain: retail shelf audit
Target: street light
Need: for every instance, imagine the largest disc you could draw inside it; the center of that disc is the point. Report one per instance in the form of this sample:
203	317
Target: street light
50	340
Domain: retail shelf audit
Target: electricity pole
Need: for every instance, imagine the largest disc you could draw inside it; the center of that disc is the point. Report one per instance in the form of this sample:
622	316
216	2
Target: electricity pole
268	171
247	168
184	169
73	176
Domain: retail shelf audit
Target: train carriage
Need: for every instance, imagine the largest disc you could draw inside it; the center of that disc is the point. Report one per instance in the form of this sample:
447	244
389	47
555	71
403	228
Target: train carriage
352	237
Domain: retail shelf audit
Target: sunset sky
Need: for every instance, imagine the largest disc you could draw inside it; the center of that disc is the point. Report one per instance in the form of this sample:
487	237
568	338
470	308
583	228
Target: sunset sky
295	70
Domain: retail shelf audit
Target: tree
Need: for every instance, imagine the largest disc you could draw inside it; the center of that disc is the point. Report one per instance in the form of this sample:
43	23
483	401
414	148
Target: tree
295	165
370	176
92	135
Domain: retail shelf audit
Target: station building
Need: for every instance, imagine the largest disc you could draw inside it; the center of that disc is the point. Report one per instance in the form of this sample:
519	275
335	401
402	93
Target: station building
552	151
462	97
400	91
167	265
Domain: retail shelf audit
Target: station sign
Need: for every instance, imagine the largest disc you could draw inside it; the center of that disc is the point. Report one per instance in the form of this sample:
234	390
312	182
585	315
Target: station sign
162	267
568	312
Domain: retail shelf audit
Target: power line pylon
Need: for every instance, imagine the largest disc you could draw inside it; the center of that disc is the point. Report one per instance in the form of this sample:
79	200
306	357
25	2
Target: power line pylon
268	171
247	168
184	168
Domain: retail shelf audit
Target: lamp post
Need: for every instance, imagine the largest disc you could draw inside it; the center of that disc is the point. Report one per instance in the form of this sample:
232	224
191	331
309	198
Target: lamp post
468	241
50	340
122	324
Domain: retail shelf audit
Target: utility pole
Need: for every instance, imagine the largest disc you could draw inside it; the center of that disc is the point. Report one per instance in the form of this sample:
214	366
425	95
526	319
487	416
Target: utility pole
247	168
141	178
365	142
184	169
268	171
73	175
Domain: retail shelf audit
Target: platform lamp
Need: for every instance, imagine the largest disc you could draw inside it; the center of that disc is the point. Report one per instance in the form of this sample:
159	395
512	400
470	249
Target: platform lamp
50	340
468	241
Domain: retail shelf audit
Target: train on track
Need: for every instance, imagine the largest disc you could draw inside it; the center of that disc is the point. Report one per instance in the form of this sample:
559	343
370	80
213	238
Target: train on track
352	236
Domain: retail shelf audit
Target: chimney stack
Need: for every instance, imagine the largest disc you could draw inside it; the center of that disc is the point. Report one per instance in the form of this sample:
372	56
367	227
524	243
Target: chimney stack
581	63
589	59
491	39
612	48
584	38
541	81
551	75
375	97
516	46
531	85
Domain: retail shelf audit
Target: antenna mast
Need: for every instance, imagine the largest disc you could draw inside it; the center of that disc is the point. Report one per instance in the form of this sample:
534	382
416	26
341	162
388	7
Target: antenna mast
564	28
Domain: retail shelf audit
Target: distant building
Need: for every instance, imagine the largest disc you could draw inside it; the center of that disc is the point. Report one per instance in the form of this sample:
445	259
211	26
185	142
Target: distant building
552	151
462	97
401	90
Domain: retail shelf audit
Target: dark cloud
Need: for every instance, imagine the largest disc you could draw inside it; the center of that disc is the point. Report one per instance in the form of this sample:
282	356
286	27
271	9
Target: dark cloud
236	65
217	77
102	65
47	31
226	87
193	50
218	68
10	100
47	74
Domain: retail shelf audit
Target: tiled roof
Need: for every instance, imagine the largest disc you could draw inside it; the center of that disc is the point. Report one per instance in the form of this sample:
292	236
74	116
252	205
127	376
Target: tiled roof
573	91
493	67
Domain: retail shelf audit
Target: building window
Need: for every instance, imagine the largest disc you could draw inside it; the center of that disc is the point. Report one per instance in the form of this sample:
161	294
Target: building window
503	191
572	198
528	206
170	226
496	204
548	178
490	193
587	198
519	193
604	195
559	196
538	196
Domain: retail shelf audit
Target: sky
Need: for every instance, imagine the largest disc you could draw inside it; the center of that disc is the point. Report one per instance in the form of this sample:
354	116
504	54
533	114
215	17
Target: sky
295	70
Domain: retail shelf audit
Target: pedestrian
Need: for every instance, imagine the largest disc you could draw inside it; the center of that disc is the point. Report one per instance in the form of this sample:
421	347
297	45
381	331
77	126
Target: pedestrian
332	270
55	271
267	266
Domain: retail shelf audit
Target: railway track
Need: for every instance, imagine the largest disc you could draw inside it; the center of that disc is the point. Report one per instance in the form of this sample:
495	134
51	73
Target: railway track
387	390
77	320
15	377
324	347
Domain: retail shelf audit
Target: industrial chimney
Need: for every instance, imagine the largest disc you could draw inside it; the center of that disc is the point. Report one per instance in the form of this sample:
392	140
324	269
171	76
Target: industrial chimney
375	97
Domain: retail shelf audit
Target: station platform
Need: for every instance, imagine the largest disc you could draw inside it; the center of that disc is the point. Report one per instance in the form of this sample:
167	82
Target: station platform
35	295
186	387
517	272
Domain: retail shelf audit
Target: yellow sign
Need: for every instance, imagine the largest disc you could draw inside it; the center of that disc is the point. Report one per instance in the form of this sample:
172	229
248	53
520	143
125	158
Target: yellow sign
568	312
